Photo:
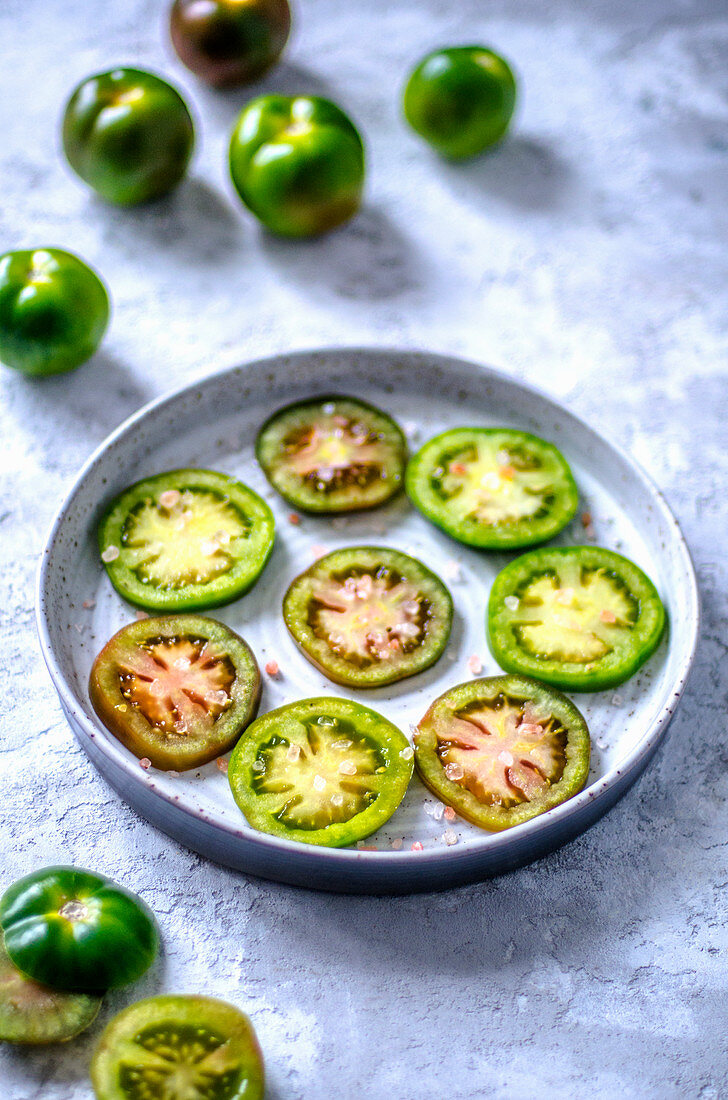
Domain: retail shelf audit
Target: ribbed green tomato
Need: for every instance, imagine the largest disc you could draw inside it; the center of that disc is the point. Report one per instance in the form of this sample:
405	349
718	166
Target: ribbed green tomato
297	163
77	931
54	310
461	99
128	134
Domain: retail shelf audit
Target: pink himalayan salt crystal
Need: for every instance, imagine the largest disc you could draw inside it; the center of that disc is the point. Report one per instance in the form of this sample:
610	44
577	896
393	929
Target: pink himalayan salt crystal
272	668
475	664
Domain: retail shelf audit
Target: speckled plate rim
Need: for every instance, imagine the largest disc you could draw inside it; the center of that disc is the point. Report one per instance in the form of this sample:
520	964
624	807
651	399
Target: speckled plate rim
371	872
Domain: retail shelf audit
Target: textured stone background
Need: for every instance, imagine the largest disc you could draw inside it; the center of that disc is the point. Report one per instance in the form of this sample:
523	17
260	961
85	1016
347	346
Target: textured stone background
588	255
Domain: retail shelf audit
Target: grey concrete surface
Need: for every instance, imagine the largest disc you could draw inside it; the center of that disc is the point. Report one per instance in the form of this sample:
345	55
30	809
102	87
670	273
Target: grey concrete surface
587	255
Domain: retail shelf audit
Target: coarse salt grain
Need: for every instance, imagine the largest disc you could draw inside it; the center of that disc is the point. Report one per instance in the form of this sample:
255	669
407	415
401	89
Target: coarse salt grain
328	409
607	616
88	604
454	771
294	751
449	814
505	757
417	846
272	668
111	553
407	753
173	774
437	811
347	767
258	765
145	763
319	783
141	615
397	843
222	764
318	551
475	664
512	602
294	519
617	700
452	570
450	837
169	498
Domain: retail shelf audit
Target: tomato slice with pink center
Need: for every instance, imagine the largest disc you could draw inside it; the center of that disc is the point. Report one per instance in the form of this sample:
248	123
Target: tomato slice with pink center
503	749
332	454
369	615
176	690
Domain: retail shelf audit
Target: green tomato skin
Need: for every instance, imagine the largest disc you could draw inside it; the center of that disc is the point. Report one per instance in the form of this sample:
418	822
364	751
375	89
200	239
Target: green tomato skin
461	100
297	163
54	311
77	931
128	134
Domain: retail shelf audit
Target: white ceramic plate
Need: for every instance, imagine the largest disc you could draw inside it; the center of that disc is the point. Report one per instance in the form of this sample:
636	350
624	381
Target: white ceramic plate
213	424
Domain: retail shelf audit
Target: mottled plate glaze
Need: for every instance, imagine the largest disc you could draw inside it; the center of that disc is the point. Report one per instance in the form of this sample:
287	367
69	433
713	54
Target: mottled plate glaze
214	423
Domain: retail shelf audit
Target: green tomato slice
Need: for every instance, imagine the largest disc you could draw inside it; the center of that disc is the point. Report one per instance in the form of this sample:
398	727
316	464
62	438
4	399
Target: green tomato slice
185	540
77	931
368	615
34	1013
178	1048
332	454
178	690
492	488
579	617
322	771
502	750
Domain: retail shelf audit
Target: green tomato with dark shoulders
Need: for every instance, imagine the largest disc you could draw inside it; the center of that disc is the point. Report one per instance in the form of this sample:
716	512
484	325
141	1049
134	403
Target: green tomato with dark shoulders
297	163
77	931
461	99
54	310
128	134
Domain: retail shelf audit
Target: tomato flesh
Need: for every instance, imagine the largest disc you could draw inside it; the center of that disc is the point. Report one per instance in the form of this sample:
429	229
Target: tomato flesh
332	454
178	1048
369	615
492	487
185	540
583	618
177	690
502	750
322	771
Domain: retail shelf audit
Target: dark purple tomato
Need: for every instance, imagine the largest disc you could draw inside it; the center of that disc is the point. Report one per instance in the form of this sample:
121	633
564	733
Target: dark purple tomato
229	41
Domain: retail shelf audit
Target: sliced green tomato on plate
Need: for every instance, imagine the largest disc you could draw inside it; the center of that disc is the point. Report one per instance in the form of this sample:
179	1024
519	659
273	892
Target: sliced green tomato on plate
492	488
580	617
323	771
332	454
178	689
369	615
502	750
185	540
178	1048
34	1013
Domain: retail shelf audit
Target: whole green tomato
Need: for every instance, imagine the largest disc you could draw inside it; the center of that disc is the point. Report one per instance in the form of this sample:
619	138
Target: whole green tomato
128	134
298	163
461	99
77	931
229	41
53	311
